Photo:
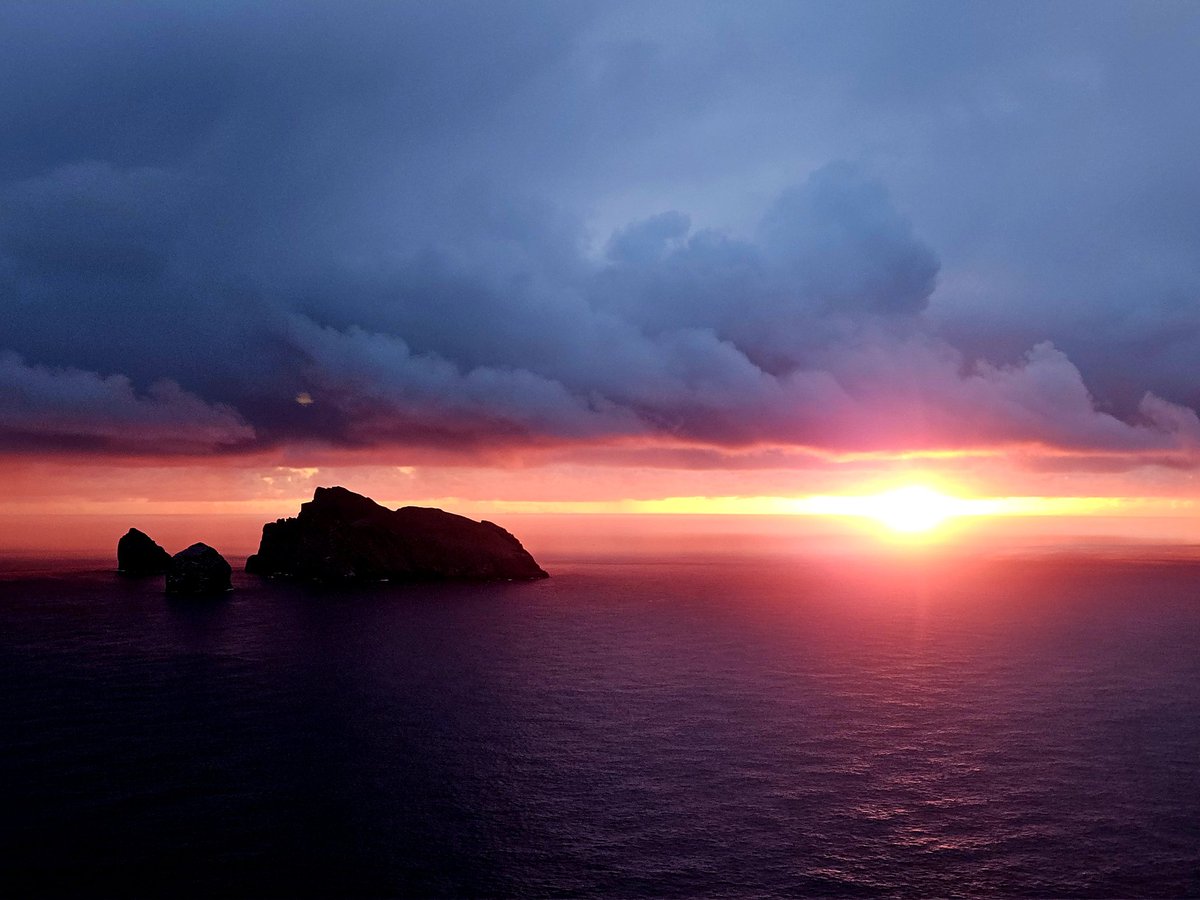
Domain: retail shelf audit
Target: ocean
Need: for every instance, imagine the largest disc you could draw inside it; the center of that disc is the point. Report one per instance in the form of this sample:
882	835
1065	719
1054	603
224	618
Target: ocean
721	718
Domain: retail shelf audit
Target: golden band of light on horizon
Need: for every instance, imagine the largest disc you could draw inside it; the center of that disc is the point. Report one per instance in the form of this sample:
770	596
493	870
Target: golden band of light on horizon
912	509
880	506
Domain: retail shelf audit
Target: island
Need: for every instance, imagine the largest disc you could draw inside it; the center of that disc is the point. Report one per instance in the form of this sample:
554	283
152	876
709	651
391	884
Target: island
138	554
343	536
199	570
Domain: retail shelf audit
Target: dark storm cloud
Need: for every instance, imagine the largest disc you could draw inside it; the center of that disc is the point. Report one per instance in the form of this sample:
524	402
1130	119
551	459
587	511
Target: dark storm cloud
472	225
43	408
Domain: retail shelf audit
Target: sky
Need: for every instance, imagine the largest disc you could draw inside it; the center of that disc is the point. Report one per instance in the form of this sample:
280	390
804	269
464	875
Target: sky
536	255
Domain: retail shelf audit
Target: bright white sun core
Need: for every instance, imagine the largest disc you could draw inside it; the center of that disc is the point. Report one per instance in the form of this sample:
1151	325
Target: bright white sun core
911	509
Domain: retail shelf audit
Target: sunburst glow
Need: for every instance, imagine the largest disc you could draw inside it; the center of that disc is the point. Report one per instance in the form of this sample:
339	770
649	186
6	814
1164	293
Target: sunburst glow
915	508
911	509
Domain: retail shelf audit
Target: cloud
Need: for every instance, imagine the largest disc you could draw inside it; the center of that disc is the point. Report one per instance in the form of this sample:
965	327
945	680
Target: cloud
42	408
605	231
848	247
828	251
809	335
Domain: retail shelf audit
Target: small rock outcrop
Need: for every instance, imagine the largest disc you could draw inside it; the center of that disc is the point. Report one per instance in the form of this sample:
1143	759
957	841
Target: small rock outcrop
137	554
199	570
340	535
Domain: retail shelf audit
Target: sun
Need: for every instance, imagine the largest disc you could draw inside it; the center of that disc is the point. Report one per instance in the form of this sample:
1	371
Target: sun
912	509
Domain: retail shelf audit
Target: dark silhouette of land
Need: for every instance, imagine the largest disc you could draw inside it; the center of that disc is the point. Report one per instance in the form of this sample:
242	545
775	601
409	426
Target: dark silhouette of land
138	554
343	536
199	570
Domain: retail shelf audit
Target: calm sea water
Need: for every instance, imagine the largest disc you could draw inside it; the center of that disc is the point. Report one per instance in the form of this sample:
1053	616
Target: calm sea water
708	724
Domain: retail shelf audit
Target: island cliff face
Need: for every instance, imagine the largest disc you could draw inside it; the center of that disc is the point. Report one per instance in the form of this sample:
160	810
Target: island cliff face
199	570
137	554
340	535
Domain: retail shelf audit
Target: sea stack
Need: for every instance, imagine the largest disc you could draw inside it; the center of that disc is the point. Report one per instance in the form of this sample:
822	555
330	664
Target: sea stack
138	554
343	536
199	570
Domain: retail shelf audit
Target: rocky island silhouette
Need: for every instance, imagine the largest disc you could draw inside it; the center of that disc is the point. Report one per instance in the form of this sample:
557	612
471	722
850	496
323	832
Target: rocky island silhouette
341	536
